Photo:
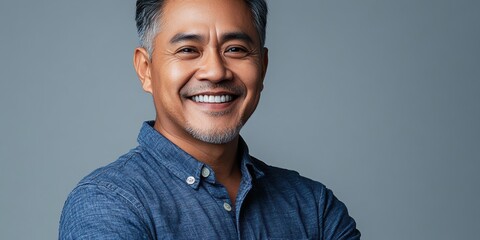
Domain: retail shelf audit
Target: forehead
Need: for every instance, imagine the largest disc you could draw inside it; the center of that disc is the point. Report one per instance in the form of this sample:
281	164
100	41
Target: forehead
207	16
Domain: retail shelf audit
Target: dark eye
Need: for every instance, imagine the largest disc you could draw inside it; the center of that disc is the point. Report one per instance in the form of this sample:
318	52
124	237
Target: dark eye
187	53
235	49
236	52
187	50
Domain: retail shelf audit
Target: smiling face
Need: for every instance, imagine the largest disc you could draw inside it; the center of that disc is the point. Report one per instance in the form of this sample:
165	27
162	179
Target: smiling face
206	71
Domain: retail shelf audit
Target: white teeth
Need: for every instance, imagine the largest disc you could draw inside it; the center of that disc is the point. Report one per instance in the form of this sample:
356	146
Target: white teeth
212	99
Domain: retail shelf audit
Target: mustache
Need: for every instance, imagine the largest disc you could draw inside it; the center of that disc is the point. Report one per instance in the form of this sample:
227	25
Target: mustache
203	87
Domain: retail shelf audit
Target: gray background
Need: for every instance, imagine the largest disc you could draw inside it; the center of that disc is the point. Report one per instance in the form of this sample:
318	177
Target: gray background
379	100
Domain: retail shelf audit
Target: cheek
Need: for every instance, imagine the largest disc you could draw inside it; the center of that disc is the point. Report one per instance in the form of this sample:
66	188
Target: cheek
253	82
250	75
171	77
179	73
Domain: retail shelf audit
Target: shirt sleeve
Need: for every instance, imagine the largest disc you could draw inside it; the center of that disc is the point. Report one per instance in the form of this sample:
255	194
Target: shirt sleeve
337	224
101	212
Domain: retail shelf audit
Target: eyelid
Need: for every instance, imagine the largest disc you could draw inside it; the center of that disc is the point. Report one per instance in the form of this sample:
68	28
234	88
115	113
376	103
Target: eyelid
244	49
241	51
187	52
191	48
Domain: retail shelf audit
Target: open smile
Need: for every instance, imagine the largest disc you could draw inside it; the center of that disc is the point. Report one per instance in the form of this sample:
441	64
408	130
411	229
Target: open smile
224	98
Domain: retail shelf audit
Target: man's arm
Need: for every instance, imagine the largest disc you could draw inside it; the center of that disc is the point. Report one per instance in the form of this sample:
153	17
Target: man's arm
337	223
101	212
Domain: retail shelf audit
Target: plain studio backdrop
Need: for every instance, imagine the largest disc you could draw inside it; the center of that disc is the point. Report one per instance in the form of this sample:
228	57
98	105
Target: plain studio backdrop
378	100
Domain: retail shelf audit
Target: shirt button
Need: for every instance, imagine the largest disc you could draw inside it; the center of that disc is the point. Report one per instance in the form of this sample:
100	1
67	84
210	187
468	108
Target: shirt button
205	172
190	180
227	207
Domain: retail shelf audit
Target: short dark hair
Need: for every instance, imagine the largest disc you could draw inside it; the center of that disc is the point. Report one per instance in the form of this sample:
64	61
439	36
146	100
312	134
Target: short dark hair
149	12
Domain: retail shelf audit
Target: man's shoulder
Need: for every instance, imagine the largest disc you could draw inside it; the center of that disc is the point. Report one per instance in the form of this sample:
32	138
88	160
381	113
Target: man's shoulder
117	181
133	170
287	178
106	196
124	167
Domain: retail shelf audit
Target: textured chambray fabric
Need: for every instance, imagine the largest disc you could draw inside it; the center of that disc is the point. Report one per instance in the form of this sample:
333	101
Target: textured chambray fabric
158	191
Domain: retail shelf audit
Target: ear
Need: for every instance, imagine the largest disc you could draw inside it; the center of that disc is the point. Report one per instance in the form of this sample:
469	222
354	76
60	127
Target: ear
141	62
264	63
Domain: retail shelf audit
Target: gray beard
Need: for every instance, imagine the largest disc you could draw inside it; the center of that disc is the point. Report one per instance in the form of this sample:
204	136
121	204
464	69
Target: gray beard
215	136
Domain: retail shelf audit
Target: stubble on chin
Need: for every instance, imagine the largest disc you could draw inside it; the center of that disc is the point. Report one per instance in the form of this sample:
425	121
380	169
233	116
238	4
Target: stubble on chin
214	135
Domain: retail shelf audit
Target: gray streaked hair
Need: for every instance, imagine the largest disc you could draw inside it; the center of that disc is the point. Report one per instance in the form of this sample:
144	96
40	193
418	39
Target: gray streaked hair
149	12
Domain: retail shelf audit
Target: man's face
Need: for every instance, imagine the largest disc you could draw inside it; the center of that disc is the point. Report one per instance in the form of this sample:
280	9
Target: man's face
207	69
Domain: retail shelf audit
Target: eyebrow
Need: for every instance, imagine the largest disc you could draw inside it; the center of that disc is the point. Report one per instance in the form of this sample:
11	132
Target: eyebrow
236	36
180	37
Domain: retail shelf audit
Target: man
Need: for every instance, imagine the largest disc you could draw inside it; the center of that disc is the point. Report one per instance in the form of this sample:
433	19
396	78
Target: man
191	176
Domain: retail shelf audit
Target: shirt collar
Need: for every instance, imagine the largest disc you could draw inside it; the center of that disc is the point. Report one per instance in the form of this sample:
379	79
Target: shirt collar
182	164
248	162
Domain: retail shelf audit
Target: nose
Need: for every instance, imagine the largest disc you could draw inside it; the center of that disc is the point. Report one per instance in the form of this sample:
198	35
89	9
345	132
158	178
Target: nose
213	68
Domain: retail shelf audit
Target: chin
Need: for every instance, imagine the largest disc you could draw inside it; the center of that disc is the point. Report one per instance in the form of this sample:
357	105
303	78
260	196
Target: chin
215	135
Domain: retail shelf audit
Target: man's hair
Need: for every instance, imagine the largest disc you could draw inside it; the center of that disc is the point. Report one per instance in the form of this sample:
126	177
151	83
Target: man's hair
149	13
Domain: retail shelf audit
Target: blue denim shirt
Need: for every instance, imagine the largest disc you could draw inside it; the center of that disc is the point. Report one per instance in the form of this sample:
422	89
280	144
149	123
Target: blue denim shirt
158	191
